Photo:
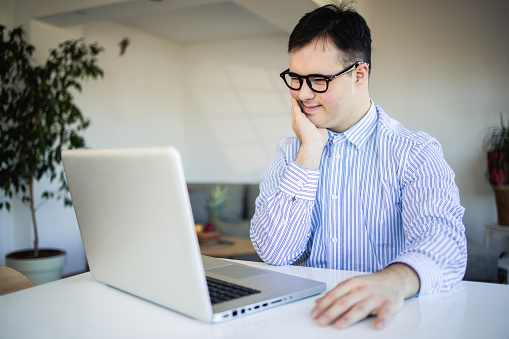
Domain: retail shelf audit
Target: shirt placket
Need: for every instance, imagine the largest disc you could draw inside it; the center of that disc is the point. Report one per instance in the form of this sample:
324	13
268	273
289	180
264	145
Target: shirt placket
335	159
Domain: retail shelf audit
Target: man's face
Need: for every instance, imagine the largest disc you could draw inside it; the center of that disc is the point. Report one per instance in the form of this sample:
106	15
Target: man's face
333	109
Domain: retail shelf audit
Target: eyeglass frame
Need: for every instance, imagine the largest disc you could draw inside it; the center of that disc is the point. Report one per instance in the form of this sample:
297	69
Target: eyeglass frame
325	77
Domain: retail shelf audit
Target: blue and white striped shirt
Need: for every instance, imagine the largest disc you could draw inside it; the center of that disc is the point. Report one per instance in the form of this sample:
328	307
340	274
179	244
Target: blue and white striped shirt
382	195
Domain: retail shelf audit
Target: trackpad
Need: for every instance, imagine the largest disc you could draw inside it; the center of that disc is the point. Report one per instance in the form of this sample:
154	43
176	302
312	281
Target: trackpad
236	272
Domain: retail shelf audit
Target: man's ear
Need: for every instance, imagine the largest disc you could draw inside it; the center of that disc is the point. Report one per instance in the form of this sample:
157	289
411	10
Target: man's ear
361	74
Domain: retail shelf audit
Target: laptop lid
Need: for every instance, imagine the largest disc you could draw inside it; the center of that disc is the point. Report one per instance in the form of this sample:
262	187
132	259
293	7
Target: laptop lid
137	228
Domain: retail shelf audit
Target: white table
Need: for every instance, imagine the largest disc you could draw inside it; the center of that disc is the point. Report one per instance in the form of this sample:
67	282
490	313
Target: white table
80	307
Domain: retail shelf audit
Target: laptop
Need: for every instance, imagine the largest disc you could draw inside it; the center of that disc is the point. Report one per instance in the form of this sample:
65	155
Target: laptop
137	227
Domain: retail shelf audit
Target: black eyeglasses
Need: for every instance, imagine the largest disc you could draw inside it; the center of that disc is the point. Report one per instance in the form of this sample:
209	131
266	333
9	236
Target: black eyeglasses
318	83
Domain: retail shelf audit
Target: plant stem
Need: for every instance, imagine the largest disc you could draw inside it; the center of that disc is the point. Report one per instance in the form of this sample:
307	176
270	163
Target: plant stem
32	210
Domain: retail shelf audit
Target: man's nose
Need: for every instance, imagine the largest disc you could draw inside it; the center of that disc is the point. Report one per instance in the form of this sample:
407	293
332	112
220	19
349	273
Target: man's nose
305	92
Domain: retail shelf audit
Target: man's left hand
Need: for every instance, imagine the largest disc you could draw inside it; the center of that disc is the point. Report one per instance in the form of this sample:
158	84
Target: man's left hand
381	294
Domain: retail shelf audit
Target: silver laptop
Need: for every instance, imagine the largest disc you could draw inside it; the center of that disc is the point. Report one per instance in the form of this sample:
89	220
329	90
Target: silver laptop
137	227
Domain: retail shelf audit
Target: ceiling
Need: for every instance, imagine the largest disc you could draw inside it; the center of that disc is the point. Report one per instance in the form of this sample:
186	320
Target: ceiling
193	21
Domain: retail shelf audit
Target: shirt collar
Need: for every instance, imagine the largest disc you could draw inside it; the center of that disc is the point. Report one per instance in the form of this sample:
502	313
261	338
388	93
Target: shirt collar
359	133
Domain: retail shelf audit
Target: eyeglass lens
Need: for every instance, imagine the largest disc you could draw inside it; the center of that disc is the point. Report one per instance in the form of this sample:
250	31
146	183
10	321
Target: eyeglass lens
316	83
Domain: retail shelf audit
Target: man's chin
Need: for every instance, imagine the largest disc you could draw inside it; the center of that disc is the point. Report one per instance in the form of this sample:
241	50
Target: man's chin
314	119
319	123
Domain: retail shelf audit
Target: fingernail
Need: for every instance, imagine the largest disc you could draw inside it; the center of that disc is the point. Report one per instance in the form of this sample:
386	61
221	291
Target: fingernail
380	325
324	320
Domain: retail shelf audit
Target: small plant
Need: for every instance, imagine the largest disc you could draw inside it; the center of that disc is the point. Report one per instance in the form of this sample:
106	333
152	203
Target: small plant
38	115
214	207
496	144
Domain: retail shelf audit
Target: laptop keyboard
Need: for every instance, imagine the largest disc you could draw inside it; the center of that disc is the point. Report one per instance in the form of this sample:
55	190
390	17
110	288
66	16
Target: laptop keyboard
221	291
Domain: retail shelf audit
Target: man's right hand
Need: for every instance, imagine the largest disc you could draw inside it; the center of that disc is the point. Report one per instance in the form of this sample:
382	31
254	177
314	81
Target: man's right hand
312	138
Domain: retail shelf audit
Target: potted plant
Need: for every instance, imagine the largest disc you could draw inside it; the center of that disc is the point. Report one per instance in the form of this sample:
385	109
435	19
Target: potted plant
212	231
497	145
38	120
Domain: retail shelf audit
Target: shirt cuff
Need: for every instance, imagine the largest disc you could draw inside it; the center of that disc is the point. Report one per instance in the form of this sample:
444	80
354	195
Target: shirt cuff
300	182
429	273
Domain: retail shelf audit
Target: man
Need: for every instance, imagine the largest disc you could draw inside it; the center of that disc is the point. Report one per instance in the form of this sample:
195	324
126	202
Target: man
354	190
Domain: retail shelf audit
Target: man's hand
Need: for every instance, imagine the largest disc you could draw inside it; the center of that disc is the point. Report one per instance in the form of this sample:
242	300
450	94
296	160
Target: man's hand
312	139
381	294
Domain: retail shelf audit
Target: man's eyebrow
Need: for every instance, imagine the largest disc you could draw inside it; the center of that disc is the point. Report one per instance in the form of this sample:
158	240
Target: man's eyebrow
303	75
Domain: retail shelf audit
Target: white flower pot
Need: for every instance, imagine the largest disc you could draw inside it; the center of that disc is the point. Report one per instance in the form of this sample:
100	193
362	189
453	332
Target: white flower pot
39	270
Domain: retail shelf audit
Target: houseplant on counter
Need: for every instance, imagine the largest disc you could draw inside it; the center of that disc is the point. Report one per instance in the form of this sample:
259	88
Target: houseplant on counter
38	120
497	146
212	231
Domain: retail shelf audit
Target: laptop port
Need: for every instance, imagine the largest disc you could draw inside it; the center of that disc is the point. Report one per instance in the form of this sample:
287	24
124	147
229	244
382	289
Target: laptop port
234	313
265	305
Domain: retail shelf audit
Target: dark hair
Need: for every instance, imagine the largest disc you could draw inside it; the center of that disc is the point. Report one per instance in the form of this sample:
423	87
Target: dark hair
339	24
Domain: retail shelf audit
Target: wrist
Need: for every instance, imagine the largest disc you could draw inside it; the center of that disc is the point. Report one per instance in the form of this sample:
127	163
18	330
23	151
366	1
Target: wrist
310	155
405	276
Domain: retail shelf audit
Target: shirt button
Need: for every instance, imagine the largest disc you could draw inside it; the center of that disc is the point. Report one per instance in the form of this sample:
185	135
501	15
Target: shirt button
334	196
283	222
337	156
334	240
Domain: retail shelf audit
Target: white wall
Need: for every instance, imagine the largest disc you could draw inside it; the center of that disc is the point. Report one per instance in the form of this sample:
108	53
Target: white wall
6	13
236	108
139	100
438	66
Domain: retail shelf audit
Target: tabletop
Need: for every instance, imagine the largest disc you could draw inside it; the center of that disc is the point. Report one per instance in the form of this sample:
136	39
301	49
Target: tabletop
80	307
228	247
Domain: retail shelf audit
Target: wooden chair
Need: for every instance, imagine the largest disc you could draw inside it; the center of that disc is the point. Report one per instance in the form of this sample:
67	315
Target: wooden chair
12	280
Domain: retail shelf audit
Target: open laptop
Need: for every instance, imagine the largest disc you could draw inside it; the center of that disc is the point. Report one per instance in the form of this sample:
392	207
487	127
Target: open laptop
137	227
